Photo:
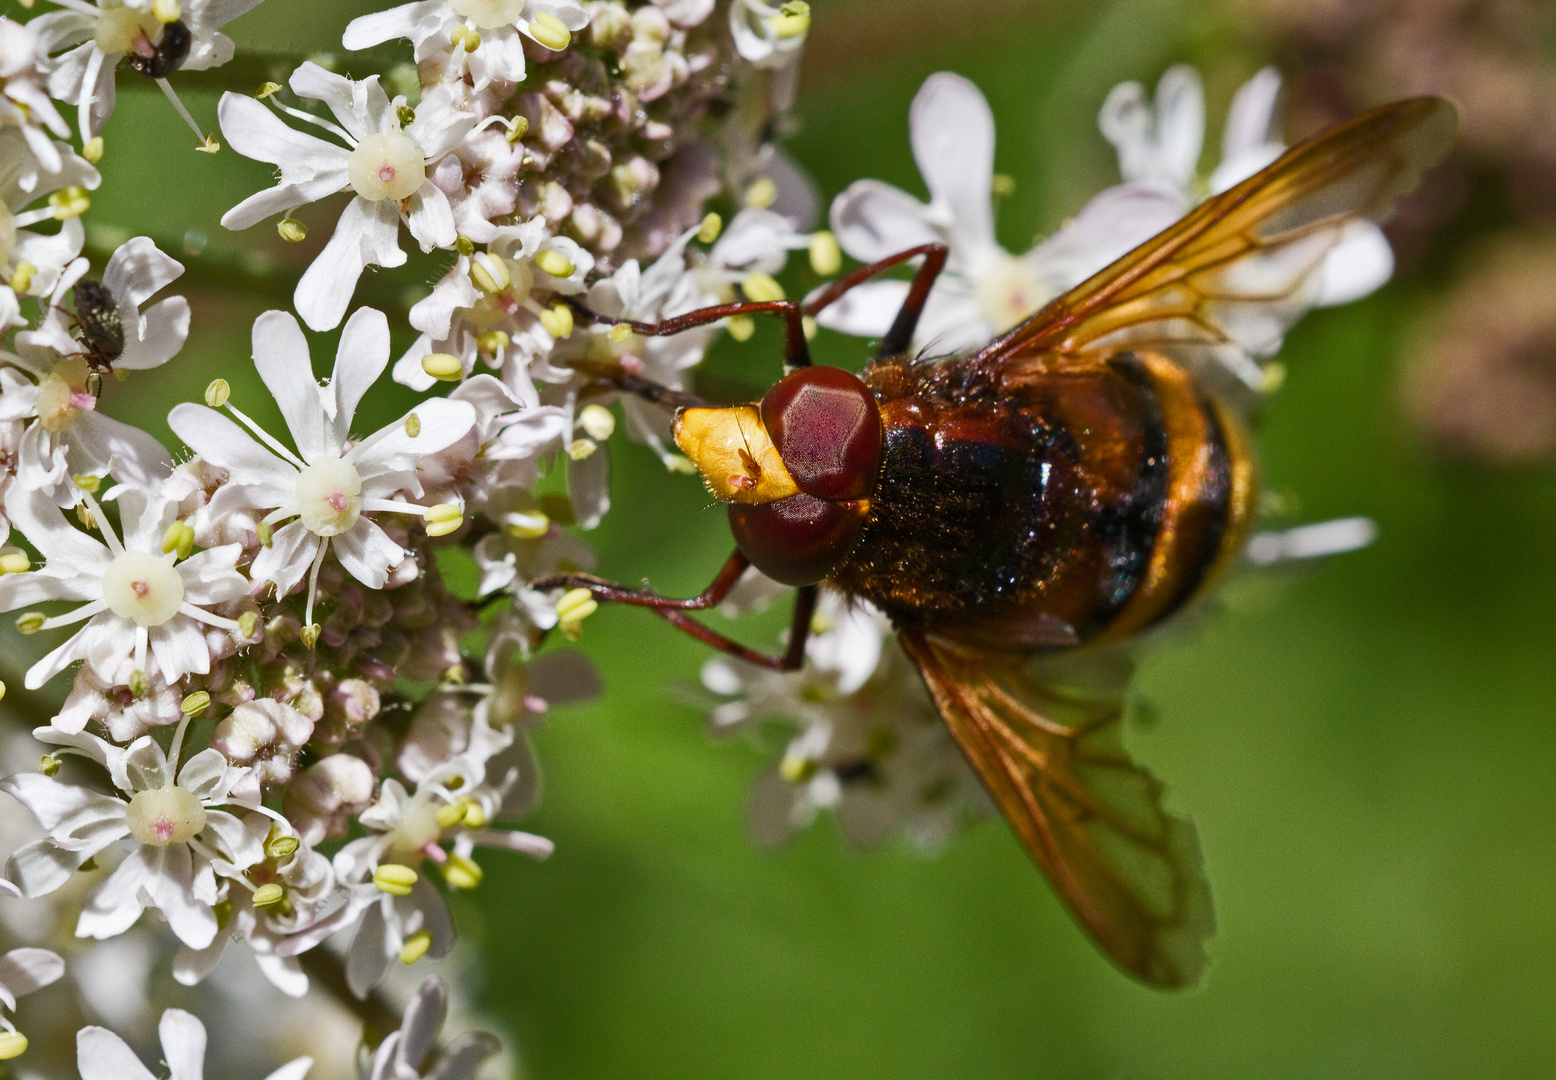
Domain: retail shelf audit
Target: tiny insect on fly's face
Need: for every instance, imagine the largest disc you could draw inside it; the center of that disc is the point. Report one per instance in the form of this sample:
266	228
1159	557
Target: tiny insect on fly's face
797	469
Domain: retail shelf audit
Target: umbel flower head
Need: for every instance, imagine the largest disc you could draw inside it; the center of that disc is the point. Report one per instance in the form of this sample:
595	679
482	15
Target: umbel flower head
327	489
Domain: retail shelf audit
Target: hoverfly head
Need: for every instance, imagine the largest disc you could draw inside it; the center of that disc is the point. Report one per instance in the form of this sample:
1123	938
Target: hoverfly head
797	470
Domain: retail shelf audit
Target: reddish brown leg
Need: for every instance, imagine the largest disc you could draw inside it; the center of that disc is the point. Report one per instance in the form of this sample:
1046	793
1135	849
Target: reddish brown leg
796	354
674	611
900	335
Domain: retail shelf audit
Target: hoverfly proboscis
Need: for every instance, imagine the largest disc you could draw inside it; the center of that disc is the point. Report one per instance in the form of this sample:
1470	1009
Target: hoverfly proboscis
1018	510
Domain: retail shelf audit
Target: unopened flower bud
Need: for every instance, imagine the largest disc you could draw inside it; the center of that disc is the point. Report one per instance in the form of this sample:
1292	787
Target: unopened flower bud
597	421
444	366
269	895
395	879
291	230
549	30
195	704
415	947
217	393
710	228
826	258
461	872
761	288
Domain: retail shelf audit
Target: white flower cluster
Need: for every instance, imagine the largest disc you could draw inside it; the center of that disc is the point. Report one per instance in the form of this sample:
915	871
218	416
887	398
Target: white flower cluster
277	732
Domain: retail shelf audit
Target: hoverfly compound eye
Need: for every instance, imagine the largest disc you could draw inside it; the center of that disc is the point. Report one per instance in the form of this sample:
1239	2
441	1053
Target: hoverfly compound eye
827	428
797	540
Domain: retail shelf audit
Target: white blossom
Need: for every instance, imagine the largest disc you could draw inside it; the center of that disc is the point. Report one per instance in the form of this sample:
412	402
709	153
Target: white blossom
102	1055
412	1052
384	161
327	489
24	99
31	261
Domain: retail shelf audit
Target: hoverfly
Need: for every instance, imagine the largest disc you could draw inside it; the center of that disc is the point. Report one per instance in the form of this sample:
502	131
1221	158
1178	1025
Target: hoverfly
1068	486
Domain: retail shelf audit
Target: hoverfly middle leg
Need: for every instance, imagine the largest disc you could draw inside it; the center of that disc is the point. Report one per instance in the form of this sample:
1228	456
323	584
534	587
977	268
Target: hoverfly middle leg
796	353
674	611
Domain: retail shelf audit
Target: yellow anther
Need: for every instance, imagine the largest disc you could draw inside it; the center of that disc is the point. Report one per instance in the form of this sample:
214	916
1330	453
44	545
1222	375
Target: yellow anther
179	538
269	895
279	847
475	815
139	683
443	519
554	263
451	814
465	36
248	623
93	149
710	228
761	288
84	515
406	115
792	20
395	879
464	246
557	320
14	562
267	89
291	230
808	325
741	327
166	11
217	393
50	765
797	770
415	947
547	29
490	272
680	463
597	421
826	258
263	534
12	1044
530	526
575	606
70	202
444	366
309	635
492	342
518	127
1002	185
1274	377
413	425
209	145
195	704
619	332
21	278
30	622
761	192
87	482
461	872
579	449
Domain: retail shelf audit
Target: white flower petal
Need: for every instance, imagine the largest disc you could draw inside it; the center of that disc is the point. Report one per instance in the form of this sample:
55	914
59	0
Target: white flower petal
102	1055
24	970
224	444
137	270
183	1045
872	220
360	360
953	142
365	236
866	310
167	328
281	357
367	554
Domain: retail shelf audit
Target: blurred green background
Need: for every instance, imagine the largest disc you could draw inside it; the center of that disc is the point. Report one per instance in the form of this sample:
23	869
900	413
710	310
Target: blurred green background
1367	746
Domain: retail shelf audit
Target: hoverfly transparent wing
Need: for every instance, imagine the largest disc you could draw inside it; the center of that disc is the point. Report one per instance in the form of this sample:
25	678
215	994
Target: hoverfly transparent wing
1224	283
1050	753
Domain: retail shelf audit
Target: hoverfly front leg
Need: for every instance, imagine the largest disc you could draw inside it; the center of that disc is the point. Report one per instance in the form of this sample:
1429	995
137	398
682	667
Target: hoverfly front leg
796	353
674	611
902	327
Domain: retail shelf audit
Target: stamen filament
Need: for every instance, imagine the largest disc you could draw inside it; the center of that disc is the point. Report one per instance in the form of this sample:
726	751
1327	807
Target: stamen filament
201	615
307	117
85	611
313	579
172	96
267	438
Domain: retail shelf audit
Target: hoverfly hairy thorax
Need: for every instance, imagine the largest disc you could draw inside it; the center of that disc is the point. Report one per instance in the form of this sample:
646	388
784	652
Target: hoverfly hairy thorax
1041	502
